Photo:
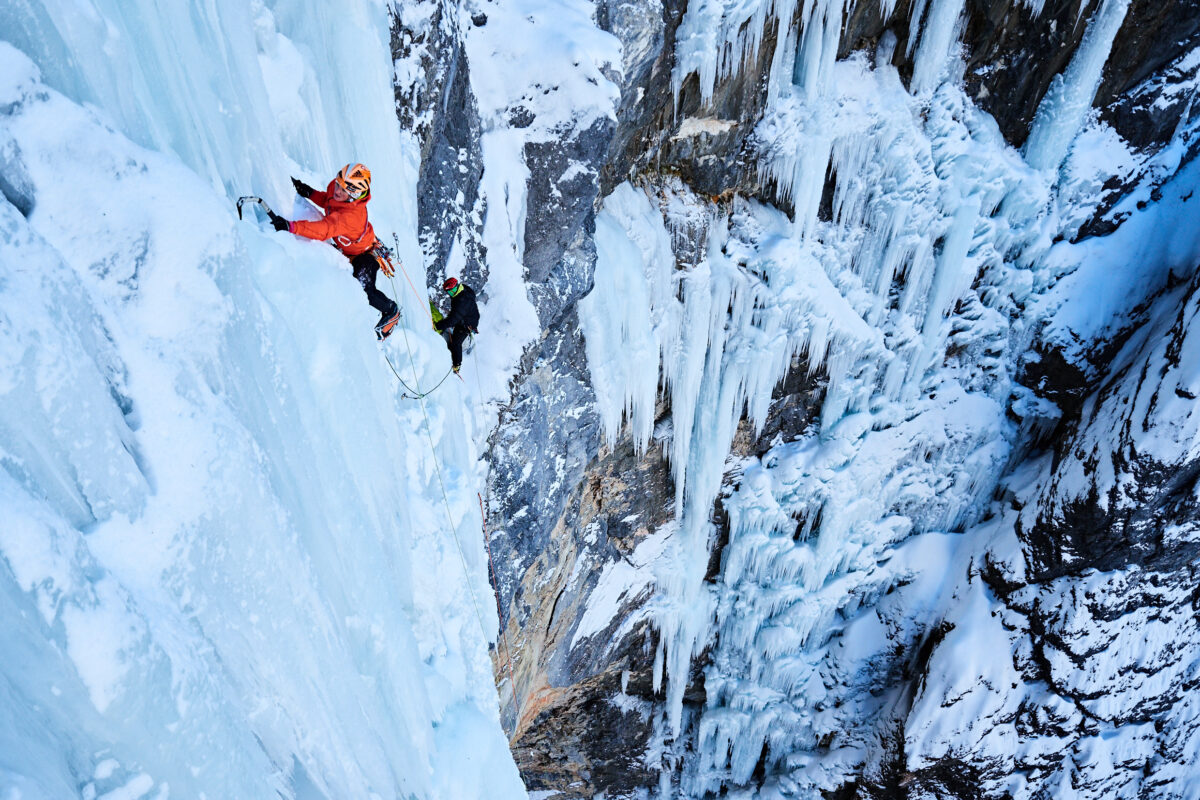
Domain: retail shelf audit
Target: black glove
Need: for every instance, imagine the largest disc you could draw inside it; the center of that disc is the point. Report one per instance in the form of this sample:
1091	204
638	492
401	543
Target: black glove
302	188
277	221
439	326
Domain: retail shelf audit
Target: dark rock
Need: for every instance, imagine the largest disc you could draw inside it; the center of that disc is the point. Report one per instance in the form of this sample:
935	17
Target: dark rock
15	185
441	111
714	160
1014	55
520	117
1153	36
589	740
536	460
795	403
1116	518
586	705
647	34
560	218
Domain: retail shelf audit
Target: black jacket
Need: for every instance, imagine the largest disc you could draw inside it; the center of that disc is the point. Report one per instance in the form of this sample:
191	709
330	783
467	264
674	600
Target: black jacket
463	310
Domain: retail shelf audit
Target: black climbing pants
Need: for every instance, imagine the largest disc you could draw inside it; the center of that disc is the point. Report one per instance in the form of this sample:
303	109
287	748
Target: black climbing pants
365	269
458	335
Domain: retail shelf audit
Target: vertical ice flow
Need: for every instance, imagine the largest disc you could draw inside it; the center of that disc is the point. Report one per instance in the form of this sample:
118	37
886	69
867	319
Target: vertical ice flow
1069	99
213	496
938	34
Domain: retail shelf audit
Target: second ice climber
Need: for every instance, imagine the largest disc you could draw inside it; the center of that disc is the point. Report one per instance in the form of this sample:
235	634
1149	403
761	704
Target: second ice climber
462	320
347	228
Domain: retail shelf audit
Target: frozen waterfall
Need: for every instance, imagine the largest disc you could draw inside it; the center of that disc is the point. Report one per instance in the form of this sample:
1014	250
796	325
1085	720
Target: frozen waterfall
226	565
906	305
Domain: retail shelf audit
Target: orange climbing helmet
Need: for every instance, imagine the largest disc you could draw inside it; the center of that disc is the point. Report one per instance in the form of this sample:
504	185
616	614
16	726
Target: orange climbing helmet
355	180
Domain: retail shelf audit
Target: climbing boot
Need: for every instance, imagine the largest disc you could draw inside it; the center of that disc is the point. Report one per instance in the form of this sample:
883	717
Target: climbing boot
387	323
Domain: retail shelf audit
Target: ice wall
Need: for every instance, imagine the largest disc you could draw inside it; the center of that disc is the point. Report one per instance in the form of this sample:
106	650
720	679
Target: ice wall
725	329
233	561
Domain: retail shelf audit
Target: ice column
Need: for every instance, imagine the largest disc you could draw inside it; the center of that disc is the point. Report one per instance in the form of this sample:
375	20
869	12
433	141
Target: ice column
937	37
632	314
1066	105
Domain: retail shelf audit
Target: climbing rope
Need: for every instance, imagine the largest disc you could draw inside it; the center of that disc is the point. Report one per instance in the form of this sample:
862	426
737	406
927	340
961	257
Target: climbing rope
410	393
417	394
442	486
423	302
420	396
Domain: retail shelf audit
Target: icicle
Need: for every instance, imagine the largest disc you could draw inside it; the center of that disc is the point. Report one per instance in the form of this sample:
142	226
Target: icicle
631	316
1066	105
914	25
718	38
951	278
937	37
817	49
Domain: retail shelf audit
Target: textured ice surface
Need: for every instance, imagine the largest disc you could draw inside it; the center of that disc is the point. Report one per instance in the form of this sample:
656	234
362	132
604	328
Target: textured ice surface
944	255
226	565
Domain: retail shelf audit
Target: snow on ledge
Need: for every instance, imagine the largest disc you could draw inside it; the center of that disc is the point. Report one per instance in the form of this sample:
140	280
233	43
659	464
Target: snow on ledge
694	126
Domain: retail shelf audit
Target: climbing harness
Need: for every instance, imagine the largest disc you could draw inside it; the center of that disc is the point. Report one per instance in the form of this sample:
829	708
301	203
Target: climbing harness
383	256
409	392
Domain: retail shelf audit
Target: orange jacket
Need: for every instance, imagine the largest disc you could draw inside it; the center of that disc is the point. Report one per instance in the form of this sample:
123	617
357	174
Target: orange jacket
345	223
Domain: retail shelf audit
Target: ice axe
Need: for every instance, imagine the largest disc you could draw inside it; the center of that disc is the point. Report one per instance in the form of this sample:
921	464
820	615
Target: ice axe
252	199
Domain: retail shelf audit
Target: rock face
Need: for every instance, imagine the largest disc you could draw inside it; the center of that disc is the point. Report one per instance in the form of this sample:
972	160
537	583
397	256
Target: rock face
1080	579
560	254
1014	51
576	734
438	107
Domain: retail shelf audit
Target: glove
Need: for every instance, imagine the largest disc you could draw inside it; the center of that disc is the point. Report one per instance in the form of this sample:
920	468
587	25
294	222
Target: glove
279	223
302	188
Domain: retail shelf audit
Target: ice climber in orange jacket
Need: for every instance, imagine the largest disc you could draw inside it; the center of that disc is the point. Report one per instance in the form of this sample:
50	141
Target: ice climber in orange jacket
347	228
